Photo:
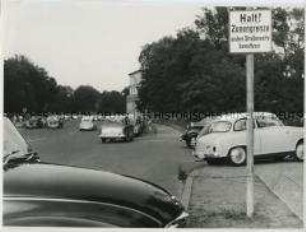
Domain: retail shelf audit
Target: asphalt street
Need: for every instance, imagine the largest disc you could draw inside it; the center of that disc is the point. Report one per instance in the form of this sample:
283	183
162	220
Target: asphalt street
155	157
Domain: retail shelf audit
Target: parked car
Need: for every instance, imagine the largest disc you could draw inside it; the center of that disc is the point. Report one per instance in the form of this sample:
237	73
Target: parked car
87	124
41	194
119	129
55	122
193	130
226	138
35	122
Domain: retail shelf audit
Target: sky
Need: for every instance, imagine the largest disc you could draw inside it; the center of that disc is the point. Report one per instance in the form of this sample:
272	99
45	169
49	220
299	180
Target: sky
97	42
90	42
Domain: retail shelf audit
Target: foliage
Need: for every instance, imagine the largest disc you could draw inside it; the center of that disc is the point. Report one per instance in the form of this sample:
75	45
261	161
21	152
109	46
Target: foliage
112	102
28	86
194	72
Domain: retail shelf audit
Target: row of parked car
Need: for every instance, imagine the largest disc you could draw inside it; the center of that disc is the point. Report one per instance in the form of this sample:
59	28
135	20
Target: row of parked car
225	137
121	127
43	194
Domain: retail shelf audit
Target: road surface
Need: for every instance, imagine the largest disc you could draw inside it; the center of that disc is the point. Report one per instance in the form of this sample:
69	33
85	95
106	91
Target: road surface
155	157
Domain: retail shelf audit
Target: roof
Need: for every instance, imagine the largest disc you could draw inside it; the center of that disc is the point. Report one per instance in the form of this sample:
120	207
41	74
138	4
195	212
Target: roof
234	116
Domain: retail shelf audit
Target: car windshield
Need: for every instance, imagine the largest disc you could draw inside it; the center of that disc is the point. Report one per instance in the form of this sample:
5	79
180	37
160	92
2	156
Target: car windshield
268	121
204	131
87	118
114	123
221	126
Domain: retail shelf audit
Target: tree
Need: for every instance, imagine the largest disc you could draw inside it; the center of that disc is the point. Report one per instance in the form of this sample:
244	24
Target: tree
27	85
86	99
194	71
112	102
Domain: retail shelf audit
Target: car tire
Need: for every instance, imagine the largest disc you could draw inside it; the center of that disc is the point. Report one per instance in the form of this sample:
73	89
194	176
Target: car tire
299	152
103	140
237	156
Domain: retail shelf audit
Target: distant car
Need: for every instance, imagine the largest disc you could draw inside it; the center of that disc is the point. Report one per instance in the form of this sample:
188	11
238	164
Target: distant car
37	194
193	130
119	129
75	117
31	123
55	121
226	138
87	124
67	117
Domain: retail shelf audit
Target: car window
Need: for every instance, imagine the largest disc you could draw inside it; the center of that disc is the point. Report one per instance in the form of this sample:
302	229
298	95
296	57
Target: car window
265	121
221	126
241	124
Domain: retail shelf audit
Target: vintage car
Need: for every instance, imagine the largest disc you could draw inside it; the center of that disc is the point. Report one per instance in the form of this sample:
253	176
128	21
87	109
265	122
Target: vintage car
39	194
226	137
119	129
193	130
35	122
55	121
87	124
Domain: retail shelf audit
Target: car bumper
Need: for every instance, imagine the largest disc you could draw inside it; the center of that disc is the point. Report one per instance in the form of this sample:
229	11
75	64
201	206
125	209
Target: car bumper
180	221
112	136
87	129
201	155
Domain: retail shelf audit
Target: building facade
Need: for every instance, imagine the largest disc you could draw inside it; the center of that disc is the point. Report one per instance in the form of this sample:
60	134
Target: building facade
134	81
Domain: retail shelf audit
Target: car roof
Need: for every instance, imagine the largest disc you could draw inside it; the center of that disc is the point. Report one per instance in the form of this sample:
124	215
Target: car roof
232	117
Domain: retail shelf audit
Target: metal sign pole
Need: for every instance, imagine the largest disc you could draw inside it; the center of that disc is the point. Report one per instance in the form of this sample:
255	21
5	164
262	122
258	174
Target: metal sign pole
250	134
304	128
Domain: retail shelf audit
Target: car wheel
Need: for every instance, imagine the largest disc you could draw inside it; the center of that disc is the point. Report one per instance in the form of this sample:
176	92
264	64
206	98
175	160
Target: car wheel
237	156
299	152
103	140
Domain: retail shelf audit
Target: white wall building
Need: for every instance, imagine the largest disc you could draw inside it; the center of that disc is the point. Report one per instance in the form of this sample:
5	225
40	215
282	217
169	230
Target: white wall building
134	80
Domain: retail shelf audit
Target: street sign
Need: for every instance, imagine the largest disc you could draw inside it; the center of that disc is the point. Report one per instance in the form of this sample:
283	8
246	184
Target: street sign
250	31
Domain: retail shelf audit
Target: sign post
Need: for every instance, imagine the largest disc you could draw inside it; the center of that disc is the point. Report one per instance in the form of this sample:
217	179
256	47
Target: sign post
250	32
250	134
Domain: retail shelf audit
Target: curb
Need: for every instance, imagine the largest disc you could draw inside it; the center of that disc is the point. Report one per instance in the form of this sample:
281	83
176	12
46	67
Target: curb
186	194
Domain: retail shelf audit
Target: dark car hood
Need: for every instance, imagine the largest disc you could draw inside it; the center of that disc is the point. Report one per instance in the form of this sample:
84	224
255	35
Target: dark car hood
63	182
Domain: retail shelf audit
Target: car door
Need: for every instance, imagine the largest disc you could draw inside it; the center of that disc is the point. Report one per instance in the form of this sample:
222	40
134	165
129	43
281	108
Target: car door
273	135
240	129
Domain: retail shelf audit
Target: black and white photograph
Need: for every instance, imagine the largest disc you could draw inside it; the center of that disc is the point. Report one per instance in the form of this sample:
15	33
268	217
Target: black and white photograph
152	114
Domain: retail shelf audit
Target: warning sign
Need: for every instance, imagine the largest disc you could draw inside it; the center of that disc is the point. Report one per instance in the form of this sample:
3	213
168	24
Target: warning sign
250	31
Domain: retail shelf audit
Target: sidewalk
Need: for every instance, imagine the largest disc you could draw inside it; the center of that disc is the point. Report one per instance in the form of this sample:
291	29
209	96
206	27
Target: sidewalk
218	201
285	180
